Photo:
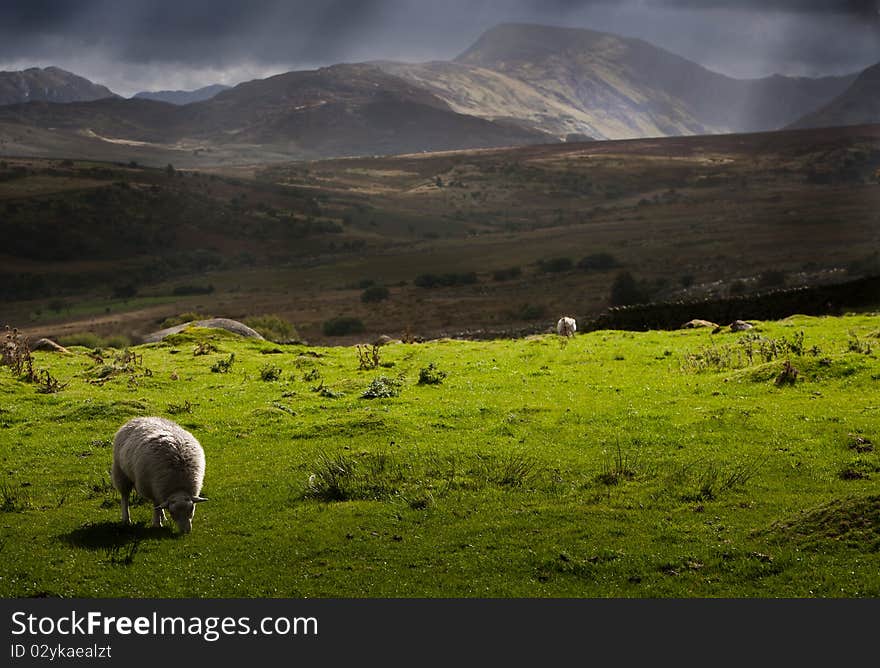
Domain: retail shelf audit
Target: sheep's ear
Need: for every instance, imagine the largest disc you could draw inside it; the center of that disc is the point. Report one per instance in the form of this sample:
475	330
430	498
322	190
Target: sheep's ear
162	506
199	499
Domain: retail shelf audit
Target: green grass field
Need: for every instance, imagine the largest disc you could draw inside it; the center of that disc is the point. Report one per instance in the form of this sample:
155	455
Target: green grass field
658	464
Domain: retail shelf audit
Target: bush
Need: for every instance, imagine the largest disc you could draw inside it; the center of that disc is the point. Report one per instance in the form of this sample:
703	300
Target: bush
184	290
625	290
270	373
444	280
225	365
375	293
272	327
431	375
555	265
382	388
342	326
598	262
126	291
506	274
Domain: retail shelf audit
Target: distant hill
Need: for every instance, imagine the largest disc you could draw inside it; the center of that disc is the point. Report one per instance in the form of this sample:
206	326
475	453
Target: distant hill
181	97
334	111
50	84
857	105
569	80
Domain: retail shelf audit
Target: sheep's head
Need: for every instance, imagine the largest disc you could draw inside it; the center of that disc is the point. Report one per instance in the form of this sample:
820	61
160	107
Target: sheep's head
182	508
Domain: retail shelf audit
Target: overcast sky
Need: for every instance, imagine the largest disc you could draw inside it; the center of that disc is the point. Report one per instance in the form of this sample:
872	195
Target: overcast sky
133	45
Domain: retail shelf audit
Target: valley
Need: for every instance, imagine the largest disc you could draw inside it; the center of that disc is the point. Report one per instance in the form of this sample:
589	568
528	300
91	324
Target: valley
499	240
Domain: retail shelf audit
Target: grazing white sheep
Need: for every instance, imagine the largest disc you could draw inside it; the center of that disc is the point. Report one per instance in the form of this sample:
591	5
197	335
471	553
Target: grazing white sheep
164	463
566	326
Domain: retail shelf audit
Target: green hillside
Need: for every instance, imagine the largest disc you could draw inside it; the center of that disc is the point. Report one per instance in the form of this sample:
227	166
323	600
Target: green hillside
618	464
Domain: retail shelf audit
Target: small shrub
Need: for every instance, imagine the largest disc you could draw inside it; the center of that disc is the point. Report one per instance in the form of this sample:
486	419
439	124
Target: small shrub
185	290
368	357
48	384
324	391
224	365
177	409
788	375
431	375
444	280
506	274
856	345
272	327
598	262
16	354
375	293
204	348
342	326
269	373
555	265
382	388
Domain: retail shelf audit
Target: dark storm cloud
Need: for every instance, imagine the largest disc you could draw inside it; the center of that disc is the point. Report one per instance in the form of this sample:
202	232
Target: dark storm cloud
194	31
134	44
850	7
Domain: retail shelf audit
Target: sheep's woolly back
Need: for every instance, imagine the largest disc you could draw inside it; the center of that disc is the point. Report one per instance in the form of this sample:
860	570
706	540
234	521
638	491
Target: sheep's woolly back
566	326
159	457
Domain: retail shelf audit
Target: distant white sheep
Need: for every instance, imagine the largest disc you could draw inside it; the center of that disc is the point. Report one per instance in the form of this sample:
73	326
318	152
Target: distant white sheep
164	463
566	326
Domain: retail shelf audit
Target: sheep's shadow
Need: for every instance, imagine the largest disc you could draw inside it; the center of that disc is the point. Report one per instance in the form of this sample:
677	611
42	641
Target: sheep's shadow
113	535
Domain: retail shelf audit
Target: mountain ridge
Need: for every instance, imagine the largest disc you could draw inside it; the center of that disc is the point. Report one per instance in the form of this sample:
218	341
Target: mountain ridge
516	84
181	97
48	84
335	111
857	105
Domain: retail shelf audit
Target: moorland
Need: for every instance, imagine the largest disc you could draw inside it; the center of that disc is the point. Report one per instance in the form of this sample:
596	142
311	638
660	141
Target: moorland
494	240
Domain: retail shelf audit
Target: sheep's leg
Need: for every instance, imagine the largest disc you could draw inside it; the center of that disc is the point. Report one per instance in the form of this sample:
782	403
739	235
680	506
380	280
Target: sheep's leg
158	517
124	485
126	518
